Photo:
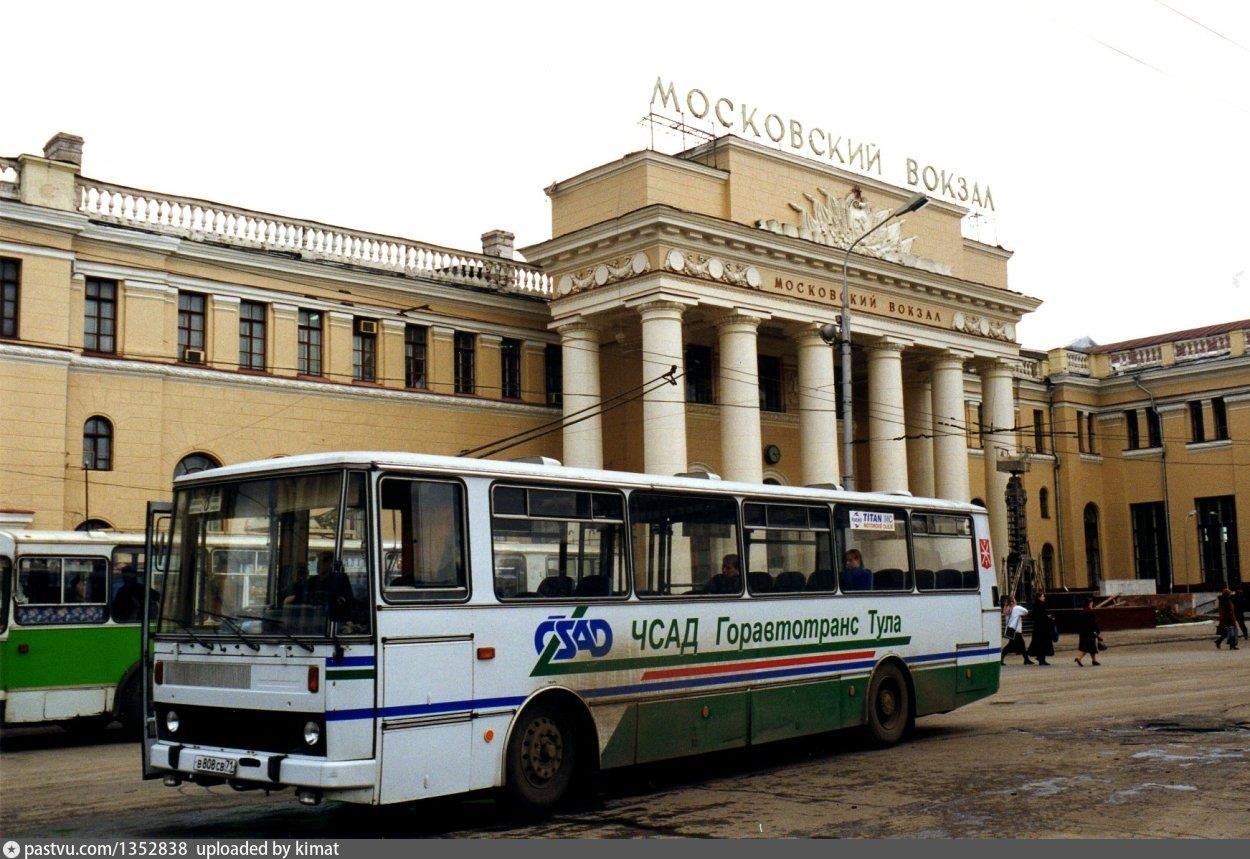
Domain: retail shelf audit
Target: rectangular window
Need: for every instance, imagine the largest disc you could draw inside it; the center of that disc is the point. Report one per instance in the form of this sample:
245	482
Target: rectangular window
251	335
190	325
310	334
10	287
423	543
416	341
698	374
1195	421
100	316
972	416
61	590
466	362
1219	418
1154	429
788	548
126	585
1039	431
1081	443
1133	439
558	543
684	545
1150	546
553	372
365	350
874	543
510	369
771	399
1092	441
945	552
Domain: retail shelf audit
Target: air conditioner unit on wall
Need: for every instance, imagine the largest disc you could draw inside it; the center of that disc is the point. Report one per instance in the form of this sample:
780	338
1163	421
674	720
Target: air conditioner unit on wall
193	356
366	326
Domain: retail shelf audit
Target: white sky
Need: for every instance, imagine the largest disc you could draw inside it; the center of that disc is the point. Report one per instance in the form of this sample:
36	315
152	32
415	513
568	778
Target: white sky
1122	182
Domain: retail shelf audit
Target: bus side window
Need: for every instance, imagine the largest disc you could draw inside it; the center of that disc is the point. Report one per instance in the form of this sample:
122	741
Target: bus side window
422	526
685	545
6	582
874	542
61	591
944	552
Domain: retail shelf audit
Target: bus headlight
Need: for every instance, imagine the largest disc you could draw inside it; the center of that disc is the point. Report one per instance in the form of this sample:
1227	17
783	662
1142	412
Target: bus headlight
171	721
312	733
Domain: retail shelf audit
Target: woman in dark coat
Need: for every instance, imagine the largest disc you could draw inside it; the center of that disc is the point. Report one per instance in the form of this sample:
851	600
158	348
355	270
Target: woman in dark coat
1087	634
1042	644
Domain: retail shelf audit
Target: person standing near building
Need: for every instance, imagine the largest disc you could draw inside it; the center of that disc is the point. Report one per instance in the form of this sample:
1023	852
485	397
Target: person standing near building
1015	614
1240	598
1042	642
1227	629
1087	635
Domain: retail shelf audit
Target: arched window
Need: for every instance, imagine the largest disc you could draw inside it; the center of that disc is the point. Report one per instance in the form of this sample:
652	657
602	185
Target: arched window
1093	554
97	444
193	462
94	525
1048	566
1043	499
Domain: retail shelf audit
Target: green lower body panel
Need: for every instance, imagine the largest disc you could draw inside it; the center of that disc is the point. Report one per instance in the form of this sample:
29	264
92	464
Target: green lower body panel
935	689
47	657
691	726
792	711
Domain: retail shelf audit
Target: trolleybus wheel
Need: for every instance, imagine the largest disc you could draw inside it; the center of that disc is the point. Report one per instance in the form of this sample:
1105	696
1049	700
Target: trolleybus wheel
889	705
542	757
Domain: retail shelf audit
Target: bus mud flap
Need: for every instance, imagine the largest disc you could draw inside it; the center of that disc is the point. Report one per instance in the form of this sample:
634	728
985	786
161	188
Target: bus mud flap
275	767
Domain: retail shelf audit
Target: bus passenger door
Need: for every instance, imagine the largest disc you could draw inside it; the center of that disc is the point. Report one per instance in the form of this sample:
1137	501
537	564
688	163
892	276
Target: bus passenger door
426	714
156	549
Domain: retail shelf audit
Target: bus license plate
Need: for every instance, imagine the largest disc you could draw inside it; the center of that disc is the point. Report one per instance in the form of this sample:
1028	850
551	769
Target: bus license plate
216	766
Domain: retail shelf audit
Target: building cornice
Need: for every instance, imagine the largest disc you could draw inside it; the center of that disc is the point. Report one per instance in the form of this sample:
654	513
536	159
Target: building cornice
629	162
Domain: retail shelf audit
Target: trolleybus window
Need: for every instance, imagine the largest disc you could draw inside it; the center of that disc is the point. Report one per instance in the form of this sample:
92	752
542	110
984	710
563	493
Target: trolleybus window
126	585
685	545
944	551
6	582
422	528
61	590
788	548
874	545
580	535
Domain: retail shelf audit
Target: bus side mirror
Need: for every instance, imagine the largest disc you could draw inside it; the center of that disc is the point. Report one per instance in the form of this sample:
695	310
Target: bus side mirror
994	591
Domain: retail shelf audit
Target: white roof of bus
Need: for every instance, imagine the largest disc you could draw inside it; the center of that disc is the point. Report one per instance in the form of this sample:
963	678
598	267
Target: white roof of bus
504	468
55	541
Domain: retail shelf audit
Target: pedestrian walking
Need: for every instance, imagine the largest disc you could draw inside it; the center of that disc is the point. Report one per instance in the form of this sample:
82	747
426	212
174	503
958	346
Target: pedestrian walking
1014	613
1227	628
1088	637
1042	643
1240	598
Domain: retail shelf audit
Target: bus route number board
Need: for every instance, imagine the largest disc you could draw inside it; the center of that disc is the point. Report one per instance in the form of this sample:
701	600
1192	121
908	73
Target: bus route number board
871	520
215	766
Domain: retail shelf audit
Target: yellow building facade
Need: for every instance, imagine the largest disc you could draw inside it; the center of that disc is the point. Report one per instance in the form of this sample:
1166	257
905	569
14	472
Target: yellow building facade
670	324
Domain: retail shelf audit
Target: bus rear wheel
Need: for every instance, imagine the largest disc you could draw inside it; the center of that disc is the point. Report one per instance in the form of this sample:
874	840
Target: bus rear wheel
541	757
889	705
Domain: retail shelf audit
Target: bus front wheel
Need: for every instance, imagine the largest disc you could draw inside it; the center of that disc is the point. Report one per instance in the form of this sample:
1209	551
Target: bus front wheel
542	757
889	705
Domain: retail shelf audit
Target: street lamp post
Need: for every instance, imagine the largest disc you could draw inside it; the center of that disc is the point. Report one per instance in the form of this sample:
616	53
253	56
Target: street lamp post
911	204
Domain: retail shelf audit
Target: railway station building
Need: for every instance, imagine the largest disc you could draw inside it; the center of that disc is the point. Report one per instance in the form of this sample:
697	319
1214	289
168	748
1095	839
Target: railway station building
671	323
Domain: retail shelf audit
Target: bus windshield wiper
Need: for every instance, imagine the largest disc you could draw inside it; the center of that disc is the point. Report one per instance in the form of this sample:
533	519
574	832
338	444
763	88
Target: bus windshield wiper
282	627
233	626
201	642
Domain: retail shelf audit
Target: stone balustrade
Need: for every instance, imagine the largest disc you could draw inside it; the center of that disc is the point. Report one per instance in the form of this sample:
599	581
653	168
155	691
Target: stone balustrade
203	221
1203	347
1143	356
10	177
1078	362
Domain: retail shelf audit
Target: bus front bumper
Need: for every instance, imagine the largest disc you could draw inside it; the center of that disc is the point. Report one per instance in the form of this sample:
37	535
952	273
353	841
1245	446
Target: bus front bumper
263	768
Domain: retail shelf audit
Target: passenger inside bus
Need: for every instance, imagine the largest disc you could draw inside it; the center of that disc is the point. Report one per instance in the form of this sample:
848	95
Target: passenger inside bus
855	576
729	579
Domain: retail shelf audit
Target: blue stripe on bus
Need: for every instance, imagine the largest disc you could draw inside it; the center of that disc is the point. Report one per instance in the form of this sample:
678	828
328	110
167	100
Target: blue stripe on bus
688	683
346	661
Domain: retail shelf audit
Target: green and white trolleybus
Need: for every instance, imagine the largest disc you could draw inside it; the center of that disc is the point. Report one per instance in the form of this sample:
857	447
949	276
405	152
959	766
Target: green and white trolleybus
429	625
70	612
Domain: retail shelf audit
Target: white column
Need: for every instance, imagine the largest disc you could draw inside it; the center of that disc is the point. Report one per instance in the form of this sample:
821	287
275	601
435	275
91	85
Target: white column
998	412
664	406
887	449
918	402
579	350
950	440
818	417
742	456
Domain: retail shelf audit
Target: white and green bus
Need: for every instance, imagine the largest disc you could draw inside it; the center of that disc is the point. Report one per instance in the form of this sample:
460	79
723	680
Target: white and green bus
70	615
433	625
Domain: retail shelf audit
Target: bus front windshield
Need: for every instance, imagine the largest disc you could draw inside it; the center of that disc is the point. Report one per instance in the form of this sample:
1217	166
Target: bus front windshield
277	556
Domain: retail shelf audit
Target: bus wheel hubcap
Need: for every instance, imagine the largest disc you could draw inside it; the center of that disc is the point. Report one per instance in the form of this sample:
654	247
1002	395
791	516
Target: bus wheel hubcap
887	704
542	750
